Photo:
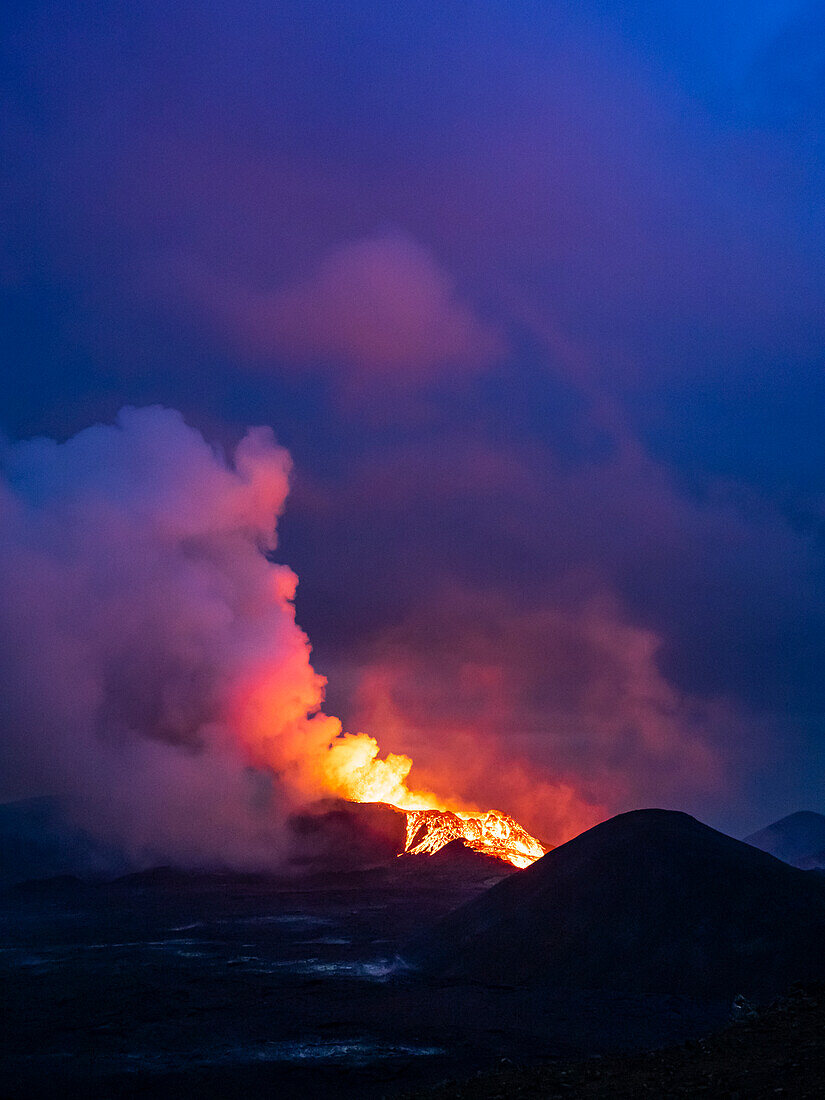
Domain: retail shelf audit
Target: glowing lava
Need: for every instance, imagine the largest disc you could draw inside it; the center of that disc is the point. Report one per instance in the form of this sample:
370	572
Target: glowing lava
491	833
354	770
322	760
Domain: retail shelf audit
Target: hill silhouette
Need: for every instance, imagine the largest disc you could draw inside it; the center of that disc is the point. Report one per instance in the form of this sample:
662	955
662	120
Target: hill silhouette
651	901
798	839
457	854
38	841
333	834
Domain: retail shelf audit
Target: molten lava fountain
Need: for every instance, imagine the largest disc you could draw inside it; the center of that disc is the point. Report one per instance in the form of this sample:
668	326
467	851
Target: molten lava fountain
353	770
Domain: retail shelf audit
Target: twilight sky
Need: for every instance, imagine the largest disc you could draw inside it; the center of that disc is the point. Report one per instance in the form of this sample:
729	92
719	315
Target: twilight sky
533	296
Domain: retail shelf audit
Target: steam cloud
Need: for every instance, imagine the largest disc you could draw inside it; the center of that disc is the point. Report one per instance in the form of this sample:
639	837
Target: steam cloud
142	625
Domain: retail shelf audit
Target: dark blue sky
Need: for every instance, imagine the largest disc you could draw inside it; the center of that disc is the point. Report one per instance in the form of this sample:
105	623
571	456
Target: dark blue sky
532	293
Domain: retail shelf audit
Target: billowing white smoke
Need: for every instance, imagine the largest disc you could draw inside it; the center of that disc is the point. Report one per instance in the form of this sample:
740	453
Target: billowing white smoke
139	614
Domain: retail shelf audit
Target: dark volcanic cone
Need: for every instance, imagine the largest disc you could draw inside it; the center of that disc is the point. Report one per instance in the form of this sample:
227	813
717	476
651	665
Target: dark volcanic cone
798	839
339	835
459	862
458	854
647	902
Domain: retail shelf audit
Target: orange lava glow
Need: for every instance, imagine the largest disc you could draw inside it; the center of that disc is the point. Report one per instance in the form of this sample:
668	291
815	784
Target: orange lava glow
319	759
354	770
491	834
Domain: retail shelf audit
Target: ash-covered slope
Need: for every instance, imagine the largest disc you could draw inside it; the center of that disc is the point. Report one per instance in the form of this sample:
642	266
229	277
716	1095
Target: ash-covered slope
339	835
798	839
458	859
649	902
459	854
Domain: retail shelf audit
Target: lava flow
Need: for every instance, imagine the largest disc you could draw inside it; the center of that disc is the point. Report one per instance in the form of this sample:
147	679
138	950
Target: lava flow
491	833
353	769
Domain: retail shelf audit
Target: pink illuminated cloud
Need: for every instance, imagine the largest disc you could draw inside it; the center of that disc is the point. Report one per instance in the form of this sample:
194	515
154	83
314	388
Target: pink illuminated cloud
560	713
141	600
380	308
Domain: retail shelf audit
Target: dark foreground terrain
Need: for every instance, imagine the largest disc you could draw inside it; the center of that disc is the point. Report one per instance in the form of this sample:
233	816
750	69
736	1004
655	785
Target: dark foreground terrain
166	985
779	1053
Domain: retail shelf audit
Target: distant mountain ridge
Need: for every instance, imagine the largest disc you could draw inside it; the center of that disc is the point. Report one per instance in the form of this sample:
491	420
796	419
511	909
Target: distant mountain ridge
651	901
37	841
798	839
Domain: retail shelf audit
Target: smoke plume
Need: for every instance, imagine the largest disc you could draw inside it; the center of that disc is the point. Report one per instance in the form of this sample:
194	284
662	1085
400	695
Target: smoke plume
140	616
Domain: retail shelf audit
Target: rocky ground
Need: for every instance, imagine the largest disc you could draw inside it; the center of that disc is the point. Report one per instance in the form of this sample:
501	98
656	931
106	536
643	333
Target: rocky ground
778	1053
164	986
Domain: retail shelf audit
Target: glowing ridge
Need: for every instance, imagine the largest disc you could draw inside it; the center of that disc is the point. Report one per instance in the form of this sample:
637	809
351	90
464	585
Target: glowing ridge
490	833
